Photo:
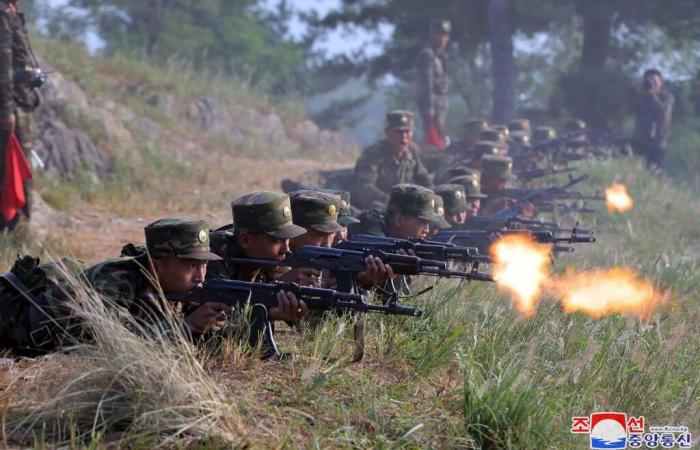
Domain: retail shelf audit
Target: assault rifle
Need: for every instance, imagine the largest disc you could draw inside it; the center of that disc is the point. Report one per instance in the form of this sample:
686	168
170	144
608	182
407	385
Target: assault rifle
242	293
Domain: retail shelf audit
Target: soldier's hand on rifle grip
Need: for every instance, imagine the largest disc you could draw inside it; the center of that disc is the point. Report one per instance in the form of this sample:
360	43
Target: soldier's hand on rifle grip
377	272
208	317
288	308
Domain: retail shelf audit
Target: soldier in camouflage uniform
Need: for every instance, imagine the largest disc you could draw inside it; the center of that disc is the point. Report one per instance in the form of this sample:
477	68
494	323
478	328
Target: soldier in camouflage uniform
175	262
261	229
472	194
408	214
438	222
460	149
454	202
433	80
18	93
345	214
393	160
497	173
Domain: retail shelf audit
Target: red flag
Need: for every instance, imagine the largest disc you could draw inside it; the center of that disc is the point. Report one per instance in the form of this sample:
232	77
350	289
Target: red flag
433	136
17	171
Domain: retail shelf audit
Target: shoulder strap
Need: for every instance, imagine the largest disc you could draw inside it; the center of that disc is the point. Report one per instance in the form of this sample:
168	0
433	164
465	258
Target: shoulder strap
16	283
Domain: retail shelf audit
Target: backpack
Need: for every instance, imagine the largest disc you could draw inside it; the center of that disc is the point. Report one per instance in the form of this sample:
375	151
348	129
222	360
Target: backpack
24	327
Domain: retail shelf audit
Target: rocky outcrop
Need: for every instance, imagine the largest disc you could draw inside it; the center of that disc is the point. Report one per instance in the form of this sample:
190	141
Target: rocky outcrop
74	131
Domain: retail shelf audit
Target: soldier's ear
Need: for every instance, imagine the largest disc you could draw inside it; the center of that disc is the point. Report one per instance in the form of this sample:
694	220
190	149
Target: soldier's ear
243	239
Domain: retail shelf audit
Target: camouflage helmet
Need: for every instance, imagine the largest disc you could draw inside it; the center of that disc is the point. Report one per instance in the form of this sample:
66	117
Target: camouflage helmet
400	119
265	212
483	148
316	210
411	200
519	125
502	128
492	135
180	237
454	197
438	221
543	134
471	186
475	125
520	138
345	215
575	125
497	167
441	26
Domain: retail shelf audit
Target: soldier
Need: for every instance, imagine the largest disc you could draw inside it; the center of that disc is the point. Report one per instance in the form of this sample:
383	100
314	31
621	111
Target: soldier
454	202
317	213
174	261
652	125
345	215
433	83
522	125
461	148
20	77
390	161
408	214
543	133
262	227
480	150
498	137
496	174
438	222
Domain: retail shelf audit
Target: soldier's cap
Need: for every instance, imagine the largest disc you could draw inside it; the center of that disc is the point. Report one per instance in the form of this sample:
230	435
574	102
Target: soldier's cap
473	125
492	135
520	137
180	237
265	212
497	167
316	210
438	221
345	216
519	125
400	119
471	185
575	125
441	26
483	148
543	134
411	200
502	128
453	196
462	170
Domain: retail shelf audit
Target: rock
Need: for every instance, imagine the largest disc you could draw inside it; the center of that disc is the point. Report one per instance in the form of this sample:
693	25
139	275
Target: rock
58	89
64	150
209	116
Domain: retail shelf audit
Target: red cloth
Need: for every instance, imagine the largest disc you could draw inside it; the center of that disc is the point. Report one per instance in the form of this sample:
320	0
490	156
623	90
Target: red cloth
433	136
17	171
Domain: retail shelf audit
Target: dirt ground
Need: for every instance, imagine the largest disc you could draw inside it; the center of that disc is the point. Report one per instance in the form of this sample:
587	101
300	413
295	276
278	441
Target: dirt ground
95	231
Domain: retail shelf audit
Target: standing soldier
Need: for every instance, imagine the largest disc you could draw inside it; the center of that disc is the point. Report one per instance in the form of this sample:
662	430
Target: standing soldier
652	126
433	84
393	160
20	77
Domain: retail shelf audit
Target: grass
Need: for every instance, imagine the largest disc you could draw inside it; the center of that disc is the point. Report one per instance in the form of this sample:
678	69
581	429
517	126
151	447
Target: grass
470	373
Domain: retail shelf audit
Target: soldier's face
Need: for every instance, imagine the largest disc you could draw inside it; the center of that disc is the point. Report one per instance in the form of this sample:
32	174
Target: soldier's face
313	237
473	204
440	40
179	275
493	185
404	227
456	218
263	246
399	139
340	236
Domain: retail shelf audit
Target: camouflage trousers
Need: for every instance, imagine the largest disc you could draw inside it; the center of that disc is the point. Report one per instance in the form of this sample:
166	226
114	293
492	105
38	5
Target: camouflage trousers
23	132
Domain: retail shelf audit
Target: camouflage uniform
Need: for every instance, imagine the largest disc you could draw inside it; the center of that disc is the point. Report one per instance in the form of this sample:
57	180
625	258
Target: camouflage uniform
17	96
125	283
377	169
652	126
433	80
